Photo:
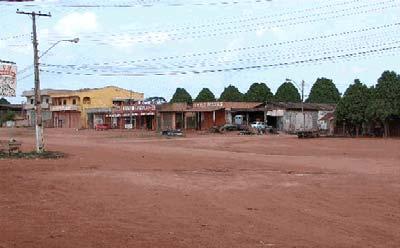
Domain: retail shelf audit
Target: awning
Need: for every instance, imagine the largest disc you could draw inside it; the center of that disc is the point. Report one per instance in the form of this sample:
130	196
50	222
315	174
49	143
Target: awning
98	110
203	109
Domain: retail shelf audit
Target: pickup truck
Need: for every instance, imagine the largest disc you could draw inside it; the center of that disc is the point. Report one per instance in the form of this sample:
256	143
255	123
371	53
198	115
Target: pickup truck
258	125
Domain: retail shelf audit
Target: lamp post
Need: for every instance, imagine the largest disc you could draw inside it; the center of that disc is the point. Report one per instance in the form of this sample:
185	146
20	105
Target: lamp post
38	107
302	99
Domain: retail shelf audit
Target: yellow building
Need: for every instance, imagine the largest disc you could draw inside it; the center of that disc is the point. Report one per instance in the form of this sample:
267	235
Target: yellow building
85	107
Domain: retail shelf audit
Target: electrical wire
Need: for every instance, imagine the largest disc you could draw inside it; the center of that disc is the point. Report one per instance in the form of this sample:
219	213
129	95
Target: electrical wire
262	66
158	36
249	48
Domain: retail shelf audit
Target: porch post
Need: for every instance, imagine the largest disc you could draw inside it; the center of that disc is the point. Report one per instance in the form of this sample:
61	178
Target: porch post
214	118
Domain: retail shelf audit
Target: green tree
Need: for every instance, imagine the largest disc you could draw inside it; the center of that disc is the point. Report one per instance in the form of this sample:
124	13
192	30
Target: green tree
205	95
181	95
231	94
385	99
8	116
4	101
287	92
258	92
324	91
156	100
353	106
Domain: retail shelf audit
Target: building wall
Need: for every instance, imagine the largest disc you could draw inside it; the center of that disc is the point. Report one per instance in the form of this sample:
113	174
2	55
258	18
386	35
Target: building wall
207	119
46	118
167	120
44	99
67	100
68	119
292	121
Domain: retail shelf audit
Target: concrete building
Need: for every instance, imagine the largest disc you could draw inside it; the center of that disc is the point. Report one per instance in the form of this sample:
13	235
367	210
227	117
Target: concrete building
82	108
288	117
46	102
130	114
204	115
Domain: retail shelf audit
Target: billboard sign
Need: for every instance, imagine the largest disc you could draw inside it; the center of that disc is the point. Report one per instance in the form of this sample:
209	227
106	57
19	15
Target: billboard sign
8	80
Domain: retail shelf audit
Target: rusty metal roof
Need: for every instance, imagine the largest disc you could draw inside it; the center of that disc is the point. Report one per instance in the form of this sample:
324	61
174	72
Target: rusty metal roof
298	106
328	117
172	107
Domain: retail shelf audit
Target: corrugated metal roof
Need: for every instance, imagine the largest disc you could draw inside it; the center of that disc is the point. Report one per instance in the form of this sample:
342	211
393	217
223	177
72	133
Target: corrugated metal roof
11	106
242	105
327	117
298	106
172	107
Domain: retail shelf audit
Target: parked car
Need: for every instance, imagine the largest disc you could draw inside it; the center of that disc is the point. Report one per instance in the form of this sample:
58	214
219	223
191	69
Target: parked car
101	127
172	132
258	125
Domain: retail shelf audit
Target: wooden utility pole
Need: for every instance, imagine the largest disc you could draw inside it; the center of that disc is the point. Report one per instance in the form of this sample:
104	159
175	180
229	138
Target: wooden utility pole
302	105
38	102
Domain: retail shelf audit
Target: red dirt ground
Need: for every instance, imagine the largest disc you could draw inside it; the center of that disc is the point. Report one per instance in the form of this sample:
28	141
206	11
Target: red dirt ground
134	189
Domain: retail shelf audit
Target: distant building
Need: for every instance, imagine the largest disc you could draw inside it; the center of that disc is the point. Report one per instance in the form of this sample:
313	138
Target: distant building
131	114
327	123
46	101
18	115
82	108
288	117
204	115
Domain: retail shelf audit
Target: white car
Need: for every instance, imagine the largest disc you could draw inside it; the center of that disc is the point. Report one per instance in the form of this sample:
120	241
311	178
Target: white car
258	125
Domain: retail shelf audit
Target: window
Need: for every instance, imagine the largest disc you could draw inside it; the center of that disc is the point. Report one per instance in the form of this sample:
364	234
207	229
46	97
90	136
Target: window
86	100
64	102
31	101
47	100
74	101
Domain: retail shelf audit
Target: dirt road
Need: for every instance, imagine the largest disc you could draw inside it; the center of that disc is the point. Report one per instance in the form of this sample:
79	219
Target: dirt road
121	189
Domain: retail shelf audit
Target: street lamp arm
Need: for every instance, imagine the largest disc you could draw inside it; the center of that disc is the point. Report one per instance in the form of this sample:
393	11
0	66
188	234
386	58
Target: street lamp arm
51	47
76	40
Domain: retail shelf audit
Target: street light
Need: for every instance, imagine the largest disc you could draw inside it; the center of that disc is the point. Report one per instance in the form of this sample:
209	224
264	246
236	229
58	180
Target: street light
302	99
38	109
75	40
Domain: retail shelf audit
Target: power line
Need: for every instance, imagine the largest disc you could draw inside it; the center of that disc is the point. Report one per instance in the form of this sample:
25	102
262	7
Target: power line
242	49
24	77
159	35
257	59
135	5
7	62
14	36
258	67
229	20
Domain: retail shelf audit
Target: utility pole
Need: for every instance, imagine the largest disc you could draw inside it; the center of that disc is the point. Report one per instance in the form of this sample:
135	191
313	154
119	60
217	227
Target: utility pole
302	105
38	102
131	108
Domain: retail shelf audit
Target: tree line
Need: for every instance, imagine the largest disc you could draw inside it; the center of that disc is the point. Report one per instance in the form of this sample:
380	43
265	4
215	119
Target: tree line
323	91
361	105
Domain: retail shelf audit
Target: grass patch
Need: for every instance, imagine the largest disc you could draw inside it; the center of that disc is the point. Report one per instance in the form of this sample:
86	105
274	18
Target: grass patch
33	155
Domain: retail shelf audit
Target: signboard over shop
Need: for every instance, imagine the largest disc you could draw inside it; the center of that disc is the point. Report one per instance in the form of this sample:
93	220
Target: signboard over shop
207	104
8	80
140	107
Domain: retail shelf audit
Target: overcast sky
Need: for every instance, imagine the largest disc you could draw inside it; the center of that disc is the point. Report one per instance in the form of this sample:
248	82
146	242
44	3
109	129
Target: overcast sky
126	36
